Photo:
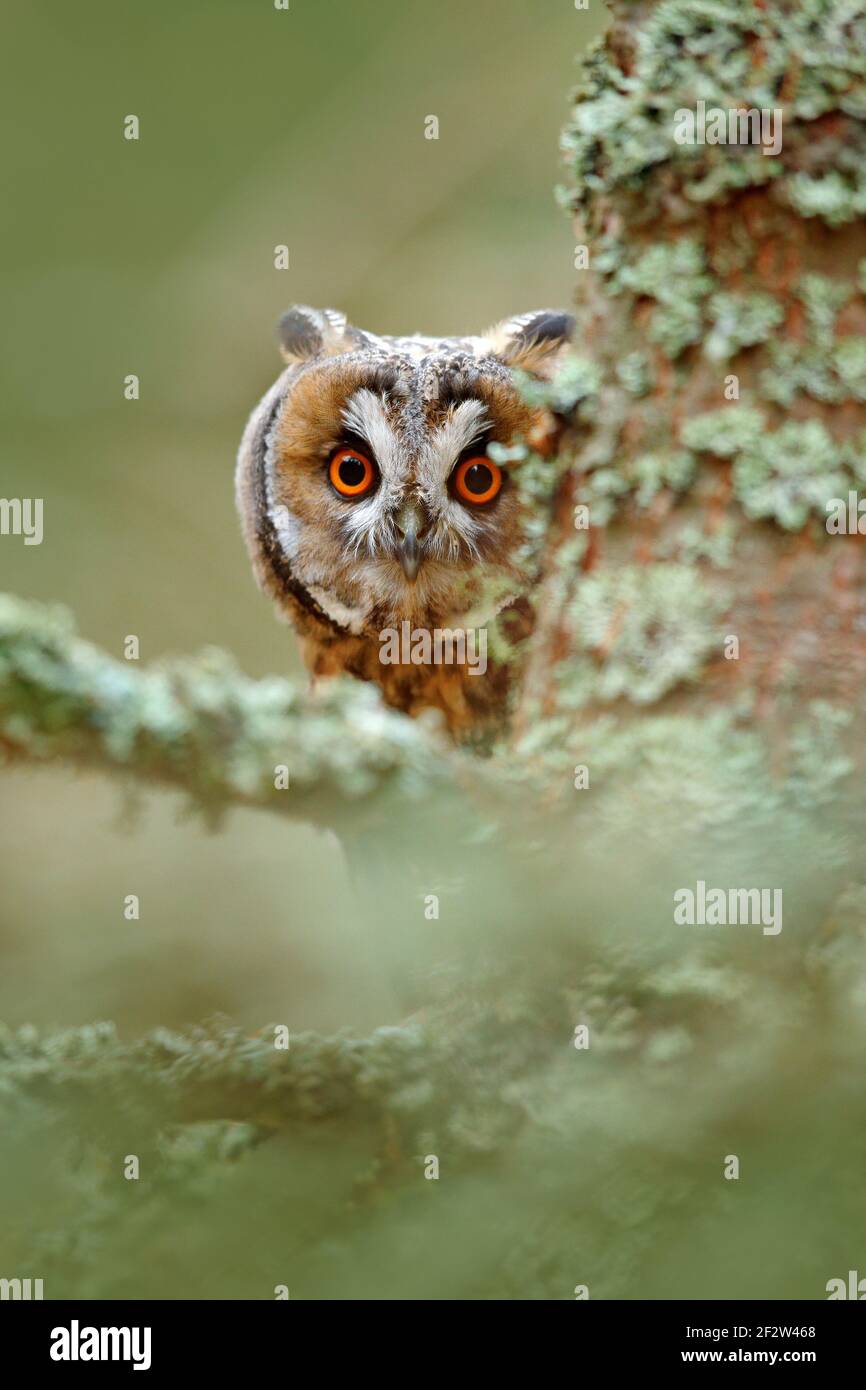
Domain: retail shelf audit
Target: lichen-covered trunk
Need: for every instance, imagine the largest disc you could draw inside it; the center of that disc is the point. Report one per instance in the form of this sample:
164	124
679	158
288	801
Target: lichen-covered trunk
718	155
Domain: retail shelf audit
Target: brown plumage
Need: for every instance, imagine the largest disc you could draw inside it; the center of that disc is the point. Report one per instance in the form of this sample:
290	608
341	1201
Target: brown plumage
375	511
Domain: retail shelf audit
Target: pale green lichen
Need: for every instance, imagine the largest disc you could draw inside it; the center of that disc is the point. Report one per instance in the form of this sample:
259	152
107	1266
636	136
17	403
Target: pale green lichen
724	432
837	196
641	478
820	762
800	369
652	472
849	364
675	276
656	625
635	373
738	321
601	493
821	366
823	298
573	388
535	480
692	543
790	474
731	56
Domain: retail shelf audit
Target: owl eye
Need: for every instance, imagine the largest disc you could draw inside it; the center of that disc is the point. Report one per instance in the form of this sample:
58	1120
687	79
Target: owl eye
351	473
477	480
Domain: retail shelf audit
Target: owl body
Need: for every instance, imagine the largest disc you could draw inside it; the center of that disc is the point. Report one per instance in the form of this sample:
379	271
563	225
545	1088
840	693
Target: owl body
371	503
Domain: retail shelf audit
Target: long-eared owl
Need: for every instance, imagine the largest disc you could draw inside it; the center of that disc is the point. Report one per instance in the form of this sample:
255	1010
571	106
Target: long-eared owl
378	511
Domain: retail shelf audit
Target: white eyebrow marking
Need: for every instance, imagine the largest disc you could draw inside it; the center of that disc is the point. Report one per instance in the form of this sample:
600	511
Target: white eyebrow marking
364	415
368	525
466	423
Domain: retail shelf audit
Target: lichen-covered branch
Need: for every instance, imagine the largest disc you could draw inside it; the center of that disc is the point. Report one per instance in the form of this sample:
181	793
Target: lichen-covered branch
201	725
216	1072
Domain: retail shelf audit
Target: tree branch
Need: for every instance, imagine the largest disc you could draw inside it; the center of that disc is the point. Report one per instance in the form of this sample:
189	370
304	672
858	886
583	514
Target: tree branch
200	725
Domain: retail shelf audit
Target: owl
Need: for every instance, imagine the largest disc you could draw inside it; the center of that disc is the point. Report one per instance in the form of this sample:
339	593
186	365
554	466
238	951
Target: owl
380	514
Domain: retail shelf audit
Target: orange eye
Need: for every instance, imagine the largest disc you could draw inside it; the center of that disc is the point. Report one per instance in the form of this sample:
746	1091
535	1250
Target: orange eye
351	473
477	480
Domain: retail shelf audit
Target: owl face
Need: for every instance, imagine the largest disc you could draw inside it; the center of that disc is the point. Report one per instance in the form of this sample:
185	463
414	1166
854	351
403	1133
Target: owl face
366	483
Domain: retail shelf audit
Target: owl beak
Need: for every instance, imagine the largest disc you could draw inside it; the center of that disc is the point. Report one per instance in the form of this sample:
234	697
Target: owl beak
411	525
410	556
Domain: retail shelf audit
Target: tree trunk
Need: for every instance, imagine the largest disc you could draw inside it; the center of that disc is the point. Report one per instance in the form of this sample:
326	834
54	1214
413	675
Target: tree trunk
723	312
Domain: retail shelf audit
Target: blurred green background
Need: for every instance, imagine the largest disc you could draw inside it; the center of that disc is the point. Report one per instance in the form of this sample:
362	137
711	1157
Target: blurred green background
155	257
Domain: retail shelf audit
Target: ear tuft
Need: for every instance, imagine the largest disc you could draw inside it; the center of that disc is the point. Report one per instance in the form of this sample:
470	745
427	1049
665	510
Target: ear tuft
304	333
532	341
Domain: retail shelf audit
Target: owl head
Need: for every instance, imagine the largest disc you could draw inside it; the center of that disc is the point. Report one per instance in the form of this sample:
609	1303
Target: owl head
366	483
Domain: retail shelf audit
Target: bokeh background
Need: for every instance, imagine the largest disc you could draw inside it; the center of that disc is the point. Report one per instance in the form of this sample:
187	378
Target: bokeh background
155	257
